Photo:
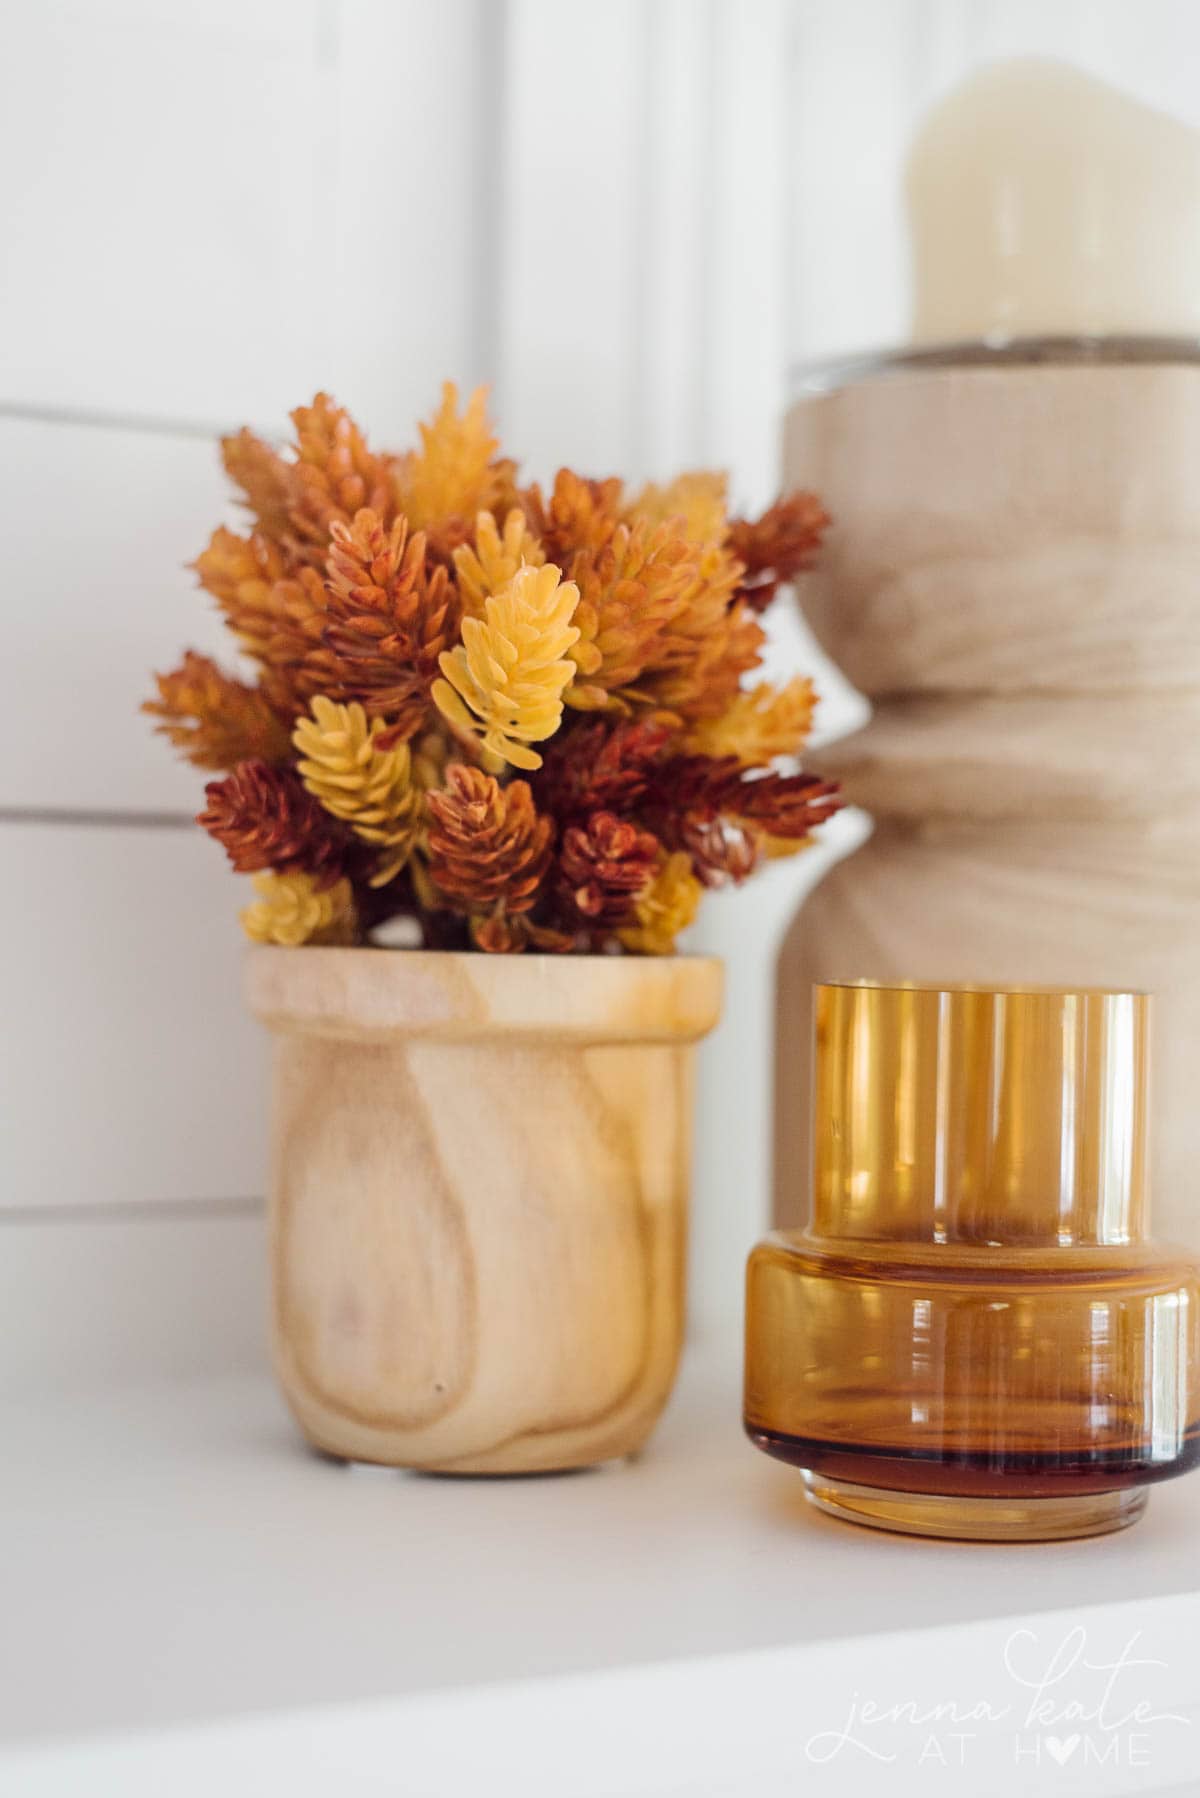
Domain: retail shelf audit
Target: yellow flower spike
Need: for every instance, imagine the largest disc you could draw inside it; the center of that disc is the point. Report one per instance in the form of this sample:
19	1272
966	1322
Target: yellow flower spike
505	682
713	641
763	722
667	906
776	849
430	753
490	566
290	910
451	475
369	788
698	498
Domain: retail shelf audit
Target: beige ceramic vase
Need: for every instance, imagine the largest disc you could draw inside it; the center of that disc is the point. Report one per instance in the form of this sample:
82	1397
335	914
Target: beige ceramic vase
1013	579
479	1199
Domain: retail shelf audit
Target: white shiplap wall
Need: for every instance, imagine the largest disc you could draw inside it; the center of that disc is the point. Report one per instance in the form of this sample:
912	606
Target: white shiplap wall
209	208
627	218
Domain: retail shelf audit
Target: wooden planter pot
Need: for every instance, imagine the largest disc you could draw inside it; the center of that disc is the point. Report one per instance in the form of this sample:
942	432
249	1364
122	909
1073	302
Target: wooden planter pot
478	1199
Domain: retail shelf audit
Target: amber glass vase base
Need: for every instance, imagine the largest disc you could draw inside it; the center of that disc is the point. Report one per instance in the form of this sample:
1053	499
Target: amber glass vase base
1013	1519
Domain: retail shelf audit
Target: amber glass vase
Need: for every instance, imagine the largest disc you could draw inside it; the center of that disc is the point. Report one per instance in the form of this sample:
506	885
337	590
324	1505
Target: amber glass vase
975	1336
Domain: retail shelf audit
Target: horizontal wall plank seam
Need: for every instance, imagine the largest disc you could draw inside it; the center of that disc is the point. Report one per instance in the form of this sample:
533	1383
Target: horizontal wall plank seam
143	424
71	815
132	1210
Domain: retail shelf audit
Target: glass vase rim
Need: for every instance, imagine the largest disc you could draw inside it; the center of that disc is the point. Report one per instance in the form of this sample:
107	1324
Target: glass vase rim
985	989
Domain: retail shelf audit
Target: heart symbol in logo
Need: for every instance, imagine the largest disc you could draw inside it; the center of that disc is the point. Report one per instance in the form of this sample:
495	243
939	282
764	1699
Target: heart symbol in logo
1062	1751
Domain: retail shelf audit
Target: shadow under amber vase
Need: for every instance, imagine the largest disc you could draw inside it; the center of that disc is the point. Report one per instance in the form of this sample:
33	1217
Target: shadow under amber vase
479	1199
975	1336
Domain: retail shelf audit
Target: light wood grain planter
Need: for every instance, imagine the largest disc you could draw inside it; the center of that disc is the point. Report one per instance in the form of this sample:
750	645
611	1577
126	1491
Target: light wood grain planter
479	1199
1014	581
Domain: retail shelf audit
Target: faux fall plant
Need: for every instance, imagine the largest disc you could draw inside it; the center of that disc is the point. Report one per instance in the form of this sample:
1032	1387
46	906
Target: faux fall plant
519	718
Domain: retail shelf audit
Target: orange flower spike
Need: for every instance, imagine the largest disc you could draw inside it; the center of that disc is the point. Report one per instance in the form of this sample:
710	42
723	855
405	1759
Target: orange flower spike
787	807
712	646
275	609
263	817
605	865
488	847
579	515
714	641
240	572
215	720
389	619
598	767
452	474
697	499
335	474
265	480
631	593
762	723
370	565
777	546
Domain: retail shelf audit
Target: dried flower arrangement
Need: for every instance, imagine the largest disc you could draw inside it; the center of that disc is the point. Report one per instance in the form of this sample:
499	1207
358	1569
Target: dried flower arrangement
518	718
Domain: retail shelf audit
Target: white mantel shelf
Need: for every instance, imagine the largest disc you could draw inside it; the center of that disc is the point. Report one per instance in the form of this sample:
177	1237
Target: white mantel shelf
194	1604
